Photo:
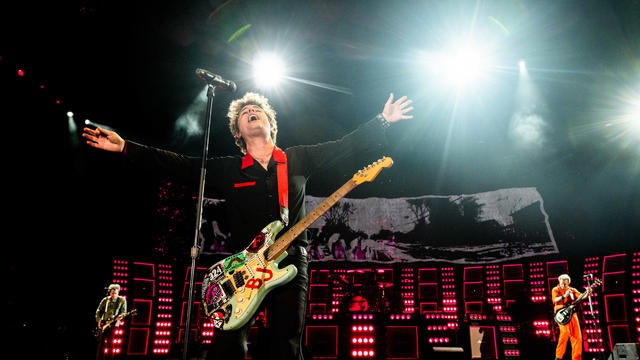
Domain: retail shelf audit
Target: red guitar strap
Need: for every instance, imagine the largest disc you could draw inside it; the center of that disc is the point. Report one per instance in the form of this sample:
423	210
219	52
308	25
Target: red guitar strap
280	157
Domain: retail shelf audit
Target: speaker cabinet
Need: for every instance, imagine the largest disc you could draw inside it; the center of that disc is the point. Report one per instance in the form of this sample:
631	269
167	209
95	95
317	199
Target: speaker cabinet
401	342
322	341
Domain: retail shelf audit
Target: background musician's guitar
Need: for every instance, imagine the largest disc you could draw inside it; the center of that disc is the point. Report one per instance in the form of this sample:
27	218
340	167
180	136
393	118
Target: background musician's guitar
110	322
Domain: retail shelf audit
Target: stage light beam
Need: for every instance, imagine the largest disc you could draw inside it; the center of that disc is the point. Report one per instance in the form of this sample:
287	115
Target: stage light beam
74	139
268	70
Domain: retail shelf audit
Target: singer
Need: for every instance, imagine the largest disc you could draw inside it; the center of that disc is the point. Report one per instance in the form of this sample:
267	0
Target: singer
263	184
564	295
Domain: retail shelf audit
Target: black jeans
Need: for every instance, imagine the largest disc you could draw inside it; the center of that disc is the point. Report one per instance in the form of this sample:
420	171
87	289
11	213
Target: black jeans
285	311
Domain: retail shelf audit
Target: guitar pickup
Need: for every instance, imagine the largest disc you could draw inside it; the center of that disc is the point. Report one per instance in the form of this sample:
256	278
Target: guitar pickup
227	287
238	279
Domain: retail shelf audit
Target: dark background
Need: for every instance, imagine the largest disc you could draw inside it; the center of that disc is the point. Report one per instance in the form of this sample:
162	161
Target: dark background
130	65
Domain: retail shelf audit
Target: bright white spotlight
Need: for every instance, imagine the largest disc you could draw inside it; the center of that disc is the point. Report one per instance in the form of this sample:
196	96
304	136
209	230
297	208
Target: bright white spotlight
464	65
522	66
268	70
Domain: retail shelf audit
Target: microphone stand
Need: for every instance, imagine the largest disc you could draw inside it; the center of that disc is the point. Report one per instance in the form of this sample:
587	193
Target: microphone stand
593	314
195	249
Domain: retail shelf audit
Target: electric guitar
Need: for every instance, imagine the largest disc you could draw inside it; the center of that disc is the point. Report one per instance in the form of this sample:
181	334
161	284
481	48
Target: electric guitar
563	316
108	323
234	287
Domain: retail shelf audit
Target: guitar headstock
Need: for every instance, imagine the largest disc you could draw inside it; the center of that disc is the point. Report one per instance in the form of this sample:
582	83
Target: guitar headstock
372	170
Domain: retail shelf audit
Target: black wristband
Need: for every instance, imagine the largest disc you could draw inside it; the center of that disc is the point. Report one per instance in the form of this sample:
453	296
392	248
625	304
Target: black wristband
385	124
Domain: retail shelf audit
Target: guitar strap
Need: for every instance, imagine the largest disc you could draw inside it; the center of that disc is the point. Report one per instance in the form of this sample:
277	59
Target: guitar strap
280	157
119	306
104	311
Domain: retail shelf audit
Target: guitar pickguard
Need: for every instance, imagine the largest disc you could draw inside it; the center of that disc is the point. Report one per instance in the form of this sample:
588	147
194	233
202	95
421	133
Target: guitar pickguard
563	316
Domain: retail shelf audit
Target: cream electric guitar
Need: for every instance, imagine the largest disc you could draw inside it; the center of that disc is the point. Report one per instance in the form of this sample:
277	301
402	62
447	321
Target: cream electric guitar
234	287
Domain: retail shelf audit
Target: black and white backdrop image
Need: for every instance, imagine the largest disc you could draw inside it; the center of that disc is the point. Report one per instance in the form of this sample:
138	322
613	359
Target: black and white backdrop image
493	226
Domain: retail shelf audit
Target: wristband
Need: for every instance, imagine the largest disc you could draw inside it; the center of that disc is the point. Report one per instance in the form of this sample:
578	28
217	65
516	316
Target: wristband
385	124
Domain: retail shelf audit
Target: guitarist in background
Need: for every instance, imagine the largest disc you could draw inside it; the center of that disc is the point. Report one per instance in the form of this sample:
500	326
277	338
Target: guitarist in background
564	295
262	185
112	308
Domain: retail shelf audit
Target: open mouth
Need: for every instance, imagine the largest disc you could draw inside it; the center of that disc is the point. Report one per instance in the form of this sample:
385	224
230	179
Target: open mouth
253	118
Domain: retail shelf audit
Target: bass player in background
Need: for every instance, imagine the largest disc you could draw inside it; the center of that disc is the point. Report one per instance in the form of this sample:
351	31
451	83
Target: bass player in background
109	314
564	295
263	184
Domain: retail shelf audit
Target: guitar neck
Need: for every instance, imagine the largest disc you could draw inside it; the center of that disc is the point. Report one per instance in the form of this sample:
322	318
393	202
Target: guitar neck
283	242
580	298
108	323
585	293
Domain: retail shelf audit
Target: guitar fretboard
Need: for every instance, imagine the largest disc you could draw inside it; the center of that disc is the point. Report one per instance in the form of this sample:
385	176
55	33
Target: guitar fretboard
283	242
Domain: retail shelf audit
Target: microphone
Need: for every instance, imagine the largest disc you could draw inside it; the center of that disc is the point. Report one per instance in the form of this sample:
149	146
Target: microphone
216	80
587	276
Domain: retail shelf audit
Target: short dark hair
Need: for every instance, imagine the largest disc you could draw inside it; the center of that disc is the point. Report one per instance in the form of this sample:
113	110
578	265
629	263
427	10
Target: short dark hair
114	287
